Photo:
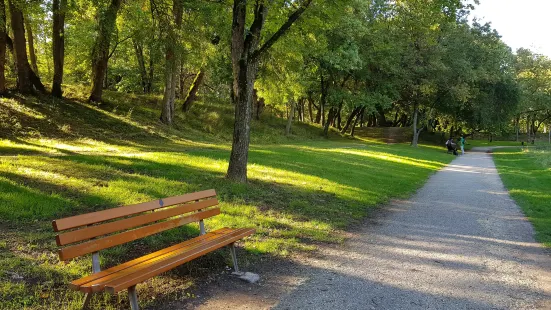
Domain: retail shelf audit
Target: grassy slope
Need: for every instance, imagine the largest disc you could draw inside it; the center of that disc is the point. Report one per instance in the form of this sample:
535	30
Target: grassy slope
527	176
75	158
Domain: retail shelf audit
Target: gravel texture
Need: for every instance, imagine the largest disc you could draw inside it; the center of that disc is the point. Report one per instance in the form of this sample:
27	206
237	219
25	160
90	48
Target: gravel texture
459	243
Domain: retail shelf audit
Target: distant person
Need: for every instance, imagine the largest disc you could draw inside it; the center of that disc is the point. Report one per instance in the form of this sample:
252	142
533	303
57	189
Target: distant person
452	147
462	144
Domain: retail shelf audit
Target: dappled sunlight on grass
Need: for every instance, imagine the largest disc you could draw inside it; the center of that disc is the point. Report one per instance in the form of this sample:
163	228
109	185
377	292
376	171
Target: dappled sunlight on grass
82	158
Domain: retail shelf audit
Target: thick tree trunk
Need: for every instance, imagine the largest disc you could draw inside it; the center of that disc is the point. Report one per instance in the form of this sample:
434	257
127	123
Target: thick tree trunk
237	169
192	94
100	52
58	45
245	54
32	51
24	84
172	66
138	49
290	119
3	37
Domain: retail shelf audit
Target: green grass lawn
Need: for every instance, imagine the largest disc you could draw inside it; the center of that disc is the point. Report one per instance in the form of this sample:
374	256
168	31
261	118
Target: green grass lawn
302	190
527	176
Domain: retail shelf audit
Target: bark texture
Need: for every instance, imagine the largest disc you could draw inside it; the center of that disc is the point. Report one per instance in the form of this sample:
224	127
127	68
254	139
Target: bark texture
246	53
3	39
58	45
32	51
192	93
100	52
172	65
416	132
24	84
138	49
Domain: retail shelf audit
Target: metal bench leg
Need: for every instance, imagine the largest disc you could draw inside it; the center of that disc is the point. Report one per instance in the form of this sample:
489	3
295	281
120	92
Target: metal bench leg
234	257
133	298
87	299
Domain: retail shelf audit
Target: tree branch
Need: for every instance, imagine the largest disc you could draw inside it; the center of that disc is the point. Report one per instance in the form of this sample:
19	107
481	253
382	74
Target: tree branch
281	31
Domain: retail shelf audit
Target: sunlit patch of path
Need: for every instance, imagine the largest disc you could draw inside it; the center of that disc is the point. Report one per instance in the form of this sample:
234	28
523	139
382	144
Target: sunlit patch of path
459	243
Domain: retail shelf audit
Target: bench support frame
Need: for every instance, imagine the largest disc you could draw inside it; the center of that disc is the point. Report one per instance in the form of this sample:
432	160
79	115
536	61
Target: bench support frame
234	257
133	298
96	267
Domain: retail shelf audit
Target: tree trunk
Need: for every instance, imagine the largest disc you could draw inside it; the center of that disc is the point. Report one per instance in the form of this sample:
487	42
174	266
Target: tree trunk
310	108
58	45
330	117
338	119
416	131
528	131
192	94
351	118
138	49
3	36
381	118
517	126
23	78
245	55
319	112
172	66
32	51
359	116
290	119
151	68
100	52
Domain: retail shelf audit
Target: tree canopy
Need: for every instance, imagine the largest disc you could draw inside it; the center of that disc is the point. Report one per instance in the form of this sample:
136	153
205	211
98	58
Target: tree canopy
342	64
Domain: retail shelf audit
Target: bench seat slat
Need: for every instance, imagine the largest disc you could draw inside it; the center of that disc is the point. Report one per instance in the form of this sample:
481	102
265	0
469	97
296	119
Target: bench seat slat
127	281
105	215
139	272
75	285
131	235
107	228
98	285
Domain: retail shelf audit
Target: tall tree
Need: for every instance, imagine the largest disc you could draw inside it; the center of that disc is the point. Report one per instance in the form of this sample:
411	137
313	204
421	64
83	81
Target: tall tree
20	48
172	62
3	36
100	53
246	52
58	44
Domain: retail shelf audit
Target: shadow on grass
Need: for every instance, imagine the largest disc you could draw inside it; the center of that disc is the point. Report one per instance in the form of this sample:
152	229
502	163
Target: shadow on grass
295	198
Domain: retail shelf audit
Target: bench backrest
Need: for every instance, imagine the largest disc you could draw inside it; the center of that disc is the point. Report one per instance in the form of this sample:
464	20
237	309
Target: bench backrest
92	232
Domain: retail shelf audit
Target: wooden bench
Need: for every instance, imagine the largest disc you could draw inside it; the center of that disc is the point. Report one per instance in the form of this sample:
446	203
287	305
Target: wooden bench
89	233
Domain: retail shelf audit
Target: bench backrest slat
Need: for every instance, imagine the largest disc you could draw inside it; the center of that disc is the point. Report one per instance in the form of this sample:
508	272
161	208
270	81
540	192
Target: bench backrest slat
127	223
131	235
105	215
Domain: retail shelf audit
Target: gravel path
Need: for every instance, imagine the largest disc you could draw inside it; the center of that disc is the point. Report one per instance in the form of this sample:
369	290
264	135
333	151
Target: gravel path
459	243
